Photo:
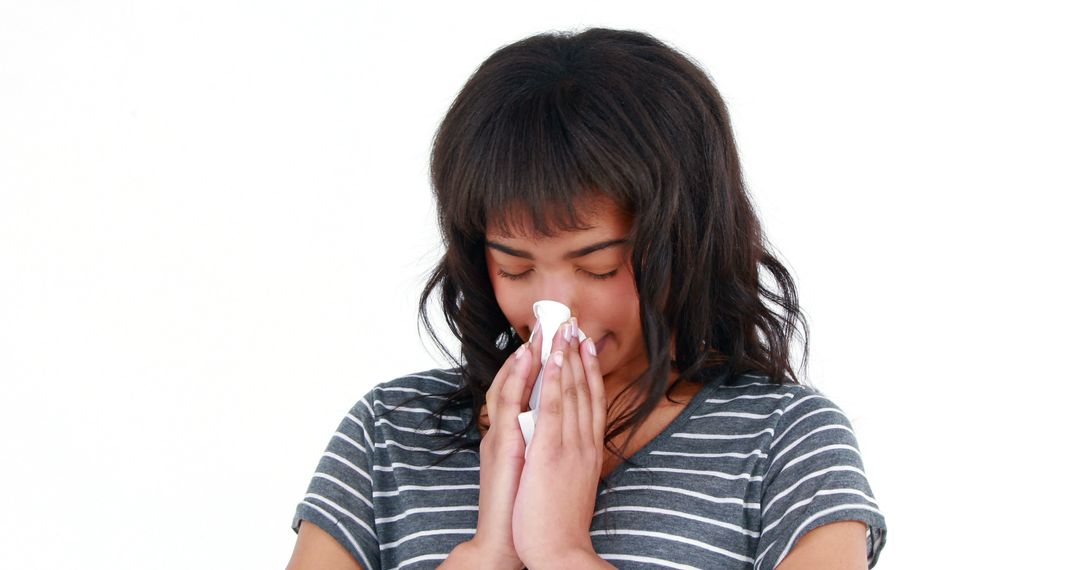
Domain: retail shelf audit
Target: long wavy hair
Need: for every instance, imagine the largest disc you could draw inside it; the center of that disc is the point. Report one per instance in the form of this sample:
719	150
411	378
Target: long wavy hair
560	117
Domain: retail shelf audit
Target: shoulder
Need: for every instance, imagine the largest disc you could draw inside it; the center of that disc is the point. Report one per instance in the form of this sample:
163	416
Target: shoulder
412	407
753	396
787	421
812	419
425	389
785	405
427	383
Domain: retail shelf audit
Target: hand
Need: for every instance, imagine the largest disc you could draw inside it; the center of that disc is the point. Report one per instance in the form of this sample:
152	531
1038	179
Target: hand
557	493
502	456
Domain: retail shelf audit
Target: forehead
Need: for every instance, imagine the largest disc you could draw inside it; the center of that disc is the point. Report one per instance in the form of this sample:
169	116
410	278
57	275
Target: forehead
597	215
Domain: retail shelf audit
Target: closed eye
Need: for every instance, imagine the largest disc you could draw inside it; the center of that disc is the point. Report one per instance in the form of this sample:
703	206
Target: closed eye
517	276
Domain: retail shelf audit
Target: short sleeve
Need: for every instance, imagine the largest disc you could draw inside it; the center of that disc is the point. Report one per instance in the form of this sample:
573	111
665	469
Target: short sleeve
339	497
815	476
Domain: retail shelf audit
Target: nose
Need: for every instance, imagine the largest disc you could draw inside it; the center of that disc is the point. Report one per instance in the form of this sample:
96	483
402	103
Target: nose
548	317
562	289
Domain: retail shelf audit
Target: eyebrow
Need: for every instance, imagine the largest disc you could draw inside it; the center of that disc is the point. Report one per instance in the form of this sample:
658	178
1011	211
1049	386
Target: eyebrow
571	255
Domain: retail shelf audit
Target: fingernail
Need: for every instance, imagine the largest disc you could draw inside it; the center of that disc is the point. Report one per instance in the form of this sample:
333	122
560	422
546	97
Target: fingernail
573	323
566	331
520	352
590	346
557	358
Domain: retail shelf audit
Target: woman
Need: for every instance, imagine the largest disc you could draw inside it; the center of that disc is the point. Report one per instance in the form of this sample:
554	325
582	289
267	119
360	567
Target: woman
597	169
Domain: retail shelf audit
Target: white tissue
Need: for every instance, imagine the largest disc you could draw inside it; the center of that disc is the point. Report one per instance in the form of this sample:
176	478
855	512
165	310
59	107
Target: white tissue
551	314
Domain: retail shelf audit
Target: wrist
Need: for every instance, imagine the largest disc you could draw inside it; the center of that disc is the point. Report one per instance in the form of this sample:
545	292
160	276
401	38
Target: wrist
459	557
583	559
469	556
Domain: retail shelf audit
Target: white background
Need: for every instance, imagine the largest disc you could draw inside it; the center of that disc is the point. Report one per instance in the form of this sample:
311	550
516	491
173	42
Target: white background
215	220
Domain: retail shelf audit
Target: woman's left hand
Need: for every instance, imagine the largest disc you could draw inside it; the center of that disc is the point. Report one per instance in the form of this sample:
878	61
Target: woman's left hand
556	496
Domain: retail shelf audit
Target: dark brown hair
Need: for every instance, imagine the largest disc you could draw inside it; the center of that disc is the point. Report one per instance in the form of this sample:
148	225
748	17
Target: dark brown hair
562	117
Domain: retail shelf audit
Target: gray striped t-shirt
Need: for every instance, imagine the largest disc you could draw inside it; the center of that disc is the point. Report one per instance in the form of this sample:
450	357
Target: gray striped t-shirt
734	481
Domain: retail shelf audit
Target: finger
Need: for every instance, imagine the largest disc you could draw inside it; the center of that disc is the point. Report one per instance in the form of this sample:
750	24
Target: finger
571	397
536	349
583	429
510	397
491	397
550	428
597	392
493	394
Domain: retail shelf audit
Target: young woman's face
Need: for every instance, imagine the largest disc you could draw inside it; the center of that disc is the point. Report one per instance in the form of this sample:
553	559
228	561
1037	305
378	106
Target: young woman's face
588	271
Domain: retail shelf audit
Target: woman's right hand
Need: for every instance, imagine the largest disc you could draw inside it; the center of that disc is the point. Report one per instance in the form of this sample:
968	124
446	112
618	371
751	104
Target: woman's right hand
502	456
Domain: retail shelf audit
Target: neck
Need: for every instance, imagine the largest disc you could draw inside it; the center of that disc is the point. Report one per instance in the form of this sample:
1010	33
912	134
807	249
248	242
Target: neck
622	379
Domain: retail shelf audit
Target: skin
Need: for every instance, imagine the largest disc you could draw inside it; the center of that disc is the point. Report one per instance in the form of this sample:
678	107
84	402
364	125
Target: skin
602	306
518	523
538	513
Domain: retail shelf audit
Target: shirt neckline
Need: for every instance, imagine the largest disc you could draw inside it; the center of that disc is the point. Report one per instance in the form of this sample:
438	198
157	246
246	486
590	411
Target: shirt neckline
707	390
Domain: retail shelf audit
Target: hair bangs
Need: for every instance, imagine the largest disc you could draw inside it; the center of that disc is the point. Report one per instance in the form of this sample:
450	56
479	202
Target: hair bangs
534	164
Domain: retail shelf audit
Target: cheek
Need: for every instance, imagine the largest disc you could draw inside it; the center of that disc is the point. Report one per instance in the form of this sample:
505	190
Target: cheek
616	305
628	302
504	296
514	304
